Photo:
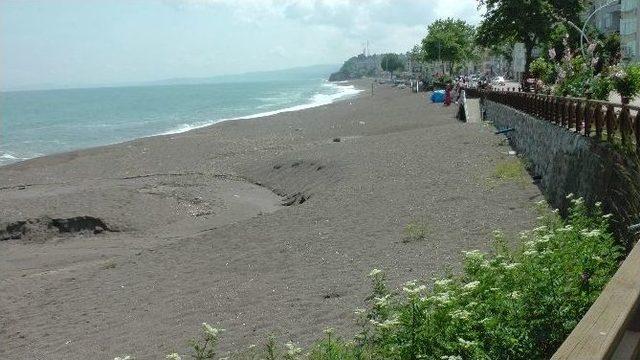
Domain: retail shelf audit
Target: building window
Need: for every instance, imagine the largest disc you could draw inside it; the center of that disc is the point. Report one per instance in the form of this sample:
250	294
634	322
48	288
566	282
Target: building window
628	26
629	49
628	5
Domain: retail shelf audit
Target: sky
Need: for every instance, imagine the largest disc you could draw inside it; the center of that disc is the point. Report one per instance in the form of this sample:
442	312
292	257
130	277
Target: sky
75	43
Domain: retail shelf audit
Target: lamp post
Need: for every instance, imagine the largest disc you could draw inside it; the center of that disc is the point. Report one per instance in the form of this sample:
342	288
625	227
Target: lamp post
583	36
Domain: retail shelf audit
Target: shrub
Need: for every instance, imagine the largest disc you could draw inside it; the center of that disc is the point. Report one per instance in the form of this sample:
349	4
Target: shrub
517	304
541	69
626	81
415	231
511	304
600	87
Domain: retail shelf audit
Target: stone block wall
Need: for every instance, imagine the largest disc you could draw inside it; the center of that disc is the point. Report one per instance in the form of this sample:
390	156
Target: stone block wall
567	162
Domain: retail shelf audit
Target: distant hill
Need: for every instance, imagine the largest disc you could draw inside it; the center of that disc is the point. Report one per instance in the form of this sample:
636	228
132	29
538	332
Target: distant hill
319	71
357	67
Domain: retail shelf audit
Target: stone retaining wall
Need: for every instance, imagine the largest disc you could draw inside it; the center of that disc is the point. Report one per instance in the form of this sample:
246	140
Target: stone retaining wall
571	163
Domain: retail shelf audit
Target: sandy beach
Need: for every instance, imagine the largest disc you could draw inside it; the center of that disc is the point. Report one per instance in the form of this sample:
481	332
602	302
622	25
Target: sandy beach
259	226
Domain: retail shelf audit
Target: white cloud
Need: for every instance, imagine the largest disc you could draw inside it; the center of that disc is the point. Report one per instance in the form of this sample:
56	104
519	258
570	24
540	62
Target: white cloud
389	25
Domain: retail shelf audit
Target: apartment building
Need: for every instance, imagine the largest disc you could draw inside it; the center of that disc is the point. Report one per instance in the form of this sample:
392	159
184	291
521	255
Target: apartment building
629	31
619	16
607	18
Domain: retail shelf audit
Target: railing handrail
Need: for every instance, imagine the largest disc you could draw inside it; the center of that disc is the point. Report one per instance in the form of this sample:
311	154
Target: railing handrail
612	122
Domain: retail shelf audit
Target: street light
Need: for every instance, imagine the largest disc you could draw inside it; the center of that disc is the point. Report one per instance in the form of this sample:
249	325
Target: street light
584	27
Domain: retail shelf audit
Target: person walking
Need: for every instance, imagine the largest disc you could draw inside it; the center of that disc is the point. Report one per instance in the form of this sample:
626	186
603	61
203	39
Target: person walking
447	95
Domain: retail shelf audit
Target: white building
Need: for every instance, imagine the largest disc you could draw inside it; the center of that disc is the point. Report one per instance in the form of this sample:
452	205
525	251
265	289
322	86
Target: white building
629	29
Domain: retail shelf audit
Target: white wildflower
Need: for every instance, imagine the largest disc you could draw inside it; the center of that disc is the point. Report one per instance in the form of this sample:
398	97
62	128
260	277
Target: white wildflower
390	323
598	204
592	233
381	301
460	314
375	272
442	298
173	356
472	285
566	228
530	253
210	330
293	349
544	239
570	196
514	295
511	266
360	311
607	216
578	201
466	343
542	228
473	254
443	282
413	290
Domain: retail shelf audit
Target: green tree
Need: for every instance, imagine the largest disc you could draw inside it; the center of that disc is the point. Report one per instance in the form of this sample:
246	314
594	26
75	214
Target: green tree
391	63
449	40
530	22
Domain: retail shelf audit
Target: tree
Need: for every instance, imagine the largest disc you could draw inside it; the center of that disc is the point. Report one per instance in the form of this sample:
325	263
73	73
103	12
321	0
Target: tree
530	22
391	63
449	40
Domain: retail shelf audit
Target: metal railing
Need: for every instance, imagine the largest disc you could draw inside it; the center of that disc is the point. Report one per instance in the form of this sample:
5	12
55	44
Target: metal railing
600	120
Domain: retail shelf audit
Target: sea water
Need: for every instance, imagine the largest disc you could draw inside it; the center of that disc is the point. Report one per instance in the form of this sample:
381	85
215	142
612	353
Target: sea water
37	123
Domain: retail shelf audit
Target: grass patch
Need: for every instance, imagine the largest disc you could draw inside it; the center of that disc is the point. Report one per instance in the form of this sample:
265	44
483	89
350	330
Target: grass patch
414	231
511	170
109	264
508	304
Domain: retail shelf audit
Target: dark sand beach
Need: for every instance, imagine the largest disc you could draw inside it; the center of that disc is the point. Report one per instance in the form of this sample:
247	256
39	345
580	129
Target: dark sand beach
261	226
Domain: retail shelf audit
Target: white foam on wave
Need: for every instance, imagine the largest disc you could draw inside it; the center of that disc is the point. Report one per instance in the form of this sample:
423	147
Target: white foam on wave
316	100
9	157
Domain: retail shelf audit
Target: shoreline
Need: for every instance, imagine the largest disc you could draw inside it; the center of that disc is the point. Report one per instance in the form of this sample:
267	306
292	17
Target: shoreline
344	95
263	226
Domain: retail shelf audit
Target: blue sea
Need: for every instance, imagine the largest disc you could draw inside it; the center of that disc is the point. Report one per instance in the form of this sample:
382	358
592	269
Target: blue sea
37	123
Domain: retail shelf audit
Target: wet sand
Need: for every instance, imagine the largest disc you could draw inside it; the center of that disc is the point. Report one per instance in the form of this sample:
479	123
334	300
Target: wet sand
261	226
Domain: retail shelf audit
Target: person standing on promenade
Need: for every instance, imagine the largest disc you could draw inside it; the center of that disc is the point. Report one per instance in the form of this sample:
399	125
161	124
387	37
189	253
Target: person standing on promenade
447	95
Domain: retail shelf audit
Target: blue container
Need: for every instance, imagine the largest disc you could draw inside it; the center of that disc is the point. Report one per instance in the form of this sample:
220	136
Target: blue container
437	96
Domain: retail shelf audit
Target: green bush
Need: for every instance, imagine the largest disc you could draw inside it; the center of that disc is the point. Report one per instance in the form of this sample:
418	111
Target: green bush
511	304
517	304
574	78
600	87
542	69
626	81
